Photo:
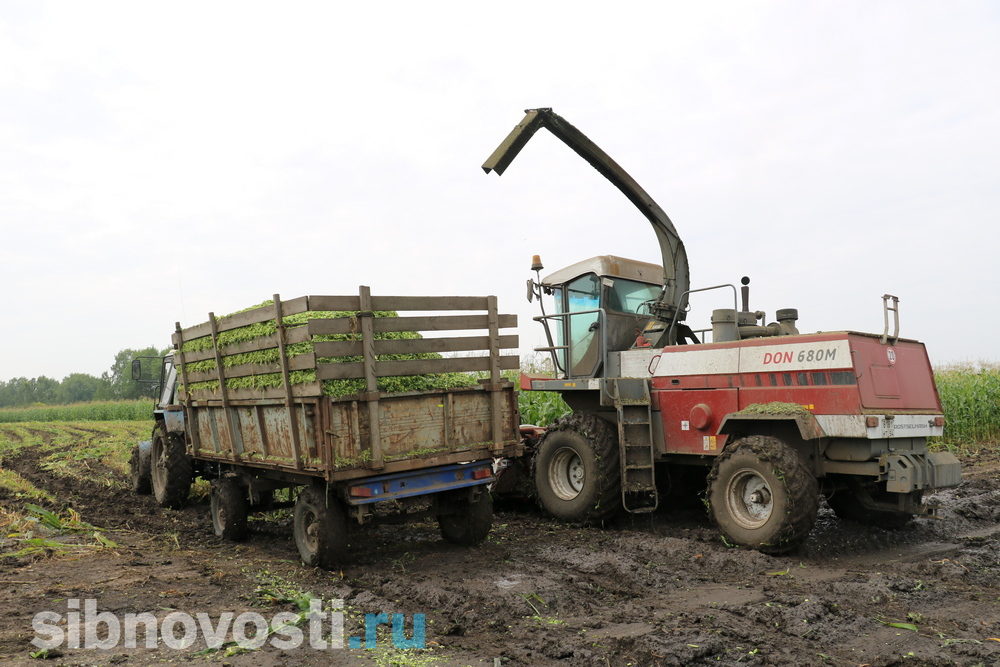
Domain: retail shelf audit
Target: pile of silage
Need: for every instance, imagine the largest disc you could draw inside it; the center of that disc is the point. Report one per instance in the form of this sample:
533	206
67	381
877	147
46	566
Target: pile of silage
330	387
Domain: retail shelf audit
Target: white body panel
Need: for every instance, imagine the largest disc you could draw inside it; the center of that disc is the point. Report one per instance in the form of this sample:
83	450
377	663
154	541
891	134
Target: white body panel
755	359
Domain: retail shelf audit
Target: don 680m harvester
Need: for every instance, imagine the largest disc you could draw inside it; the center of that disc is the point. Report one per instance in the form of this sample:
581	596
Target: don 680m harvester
776	418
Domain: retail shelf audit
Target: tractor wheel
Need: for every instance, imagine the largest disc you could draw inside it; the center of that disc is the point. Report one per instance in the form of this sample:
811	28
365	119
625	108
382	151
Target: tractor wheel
761	494
470	517
320	528
576	470
171	468
229	509
847	503
140	464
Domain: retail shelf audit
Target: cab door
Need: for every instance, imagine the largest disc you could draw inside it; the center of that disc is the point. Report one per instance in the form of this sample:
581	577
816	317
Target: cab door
583	324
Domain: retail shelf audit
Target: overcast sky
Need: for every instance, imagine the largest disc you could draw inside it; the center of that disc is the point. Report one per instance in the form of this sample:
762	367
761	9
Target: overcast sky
159	161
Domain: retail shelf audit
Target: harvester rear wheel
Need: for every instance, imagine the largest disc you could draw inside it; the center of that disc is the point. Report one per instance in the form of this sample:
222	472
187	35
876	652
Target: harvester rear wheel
172	469
762	495
468	520
320	528
230	506
847	503
577	477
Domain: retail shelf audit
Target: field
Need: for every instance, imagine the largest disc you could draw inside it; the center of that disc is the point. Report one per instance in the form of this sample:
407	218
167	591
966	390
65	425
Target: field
661	590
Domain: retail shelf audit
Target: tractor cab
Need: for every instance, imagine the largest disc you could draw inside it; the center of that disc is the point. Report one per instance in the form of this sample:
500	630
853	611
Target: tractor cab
599	305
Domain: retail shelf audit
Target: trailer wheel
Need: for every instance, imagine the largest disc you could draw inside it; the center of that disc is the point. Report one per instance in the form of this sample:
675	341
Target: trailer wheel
140	464
847	503
171	469
576	470
229	509
469	520
320	528
761	494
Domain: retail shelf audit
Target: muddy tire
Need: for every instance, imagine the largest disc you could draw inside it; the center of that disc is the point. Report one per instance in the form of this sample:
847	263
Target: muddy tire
576	470
469	521
171	469
847	503
761	494
230	506
320	528
140	465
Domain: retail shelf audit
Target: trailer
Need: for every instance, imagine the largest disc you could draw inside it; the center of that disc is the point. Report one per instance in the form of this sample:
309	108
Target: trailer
246	402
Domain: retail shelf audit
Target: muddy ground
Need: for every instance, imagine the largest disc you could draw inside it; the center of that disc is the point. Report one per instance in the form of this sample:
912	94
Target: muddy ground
660	590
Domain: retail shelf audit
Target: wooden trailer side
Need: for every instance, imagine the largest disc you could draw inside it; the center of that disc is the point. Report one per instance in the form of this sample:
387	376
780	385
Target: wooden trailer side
295	428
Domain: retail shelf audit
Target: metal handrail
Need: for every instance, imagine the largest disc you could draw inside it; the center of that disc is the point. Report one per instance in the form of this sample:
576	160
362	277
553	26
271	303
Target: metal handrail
602	315
673	322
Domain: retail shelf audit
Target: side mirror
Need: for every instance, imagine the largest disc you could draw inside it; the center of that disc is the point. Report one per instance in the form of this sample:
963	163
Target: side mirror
136	369
531	290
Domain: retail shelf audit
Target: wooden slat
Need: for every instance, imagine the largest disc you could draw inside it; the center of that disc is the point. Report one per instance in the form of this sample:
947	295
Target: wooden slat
286	383
371	383
340	371
192	423
338	303
428	303
494	361
352	348
297	334
343	325
352	303
299	362
307	390
220	371
254	316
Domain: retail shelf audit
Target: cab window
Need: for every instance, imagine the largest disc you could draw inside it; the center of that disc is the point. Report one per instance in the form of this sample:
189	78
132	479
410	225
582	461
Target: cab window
629	296
583	294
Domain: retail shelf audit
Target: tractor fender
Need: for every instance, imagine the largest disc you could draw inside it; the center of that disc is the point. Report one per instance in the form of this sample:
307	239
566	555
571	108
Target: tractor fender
737	424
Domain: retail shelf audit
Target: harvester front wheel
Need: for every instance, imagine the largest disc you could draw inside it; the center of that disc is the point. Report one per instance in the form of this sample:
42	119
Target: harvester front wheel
172	469
576	469
468	520
849	503
320	528
230	506
762	495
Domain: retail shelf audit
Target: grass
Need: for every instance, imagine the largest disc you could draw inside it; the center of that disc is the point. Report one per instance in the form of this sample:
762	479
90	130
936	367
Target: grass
95	451
93	411
541	408
18	487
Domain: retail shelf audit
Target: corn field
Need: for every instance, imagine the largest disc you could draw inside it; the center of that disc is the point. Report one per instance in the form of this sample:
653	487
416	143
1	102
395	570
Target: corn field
971	400
93	411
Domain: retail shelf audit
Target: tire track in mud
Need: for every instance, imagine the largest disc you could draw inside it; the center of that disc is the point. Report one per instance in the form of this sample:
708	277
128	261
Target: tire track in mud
662	592
635	595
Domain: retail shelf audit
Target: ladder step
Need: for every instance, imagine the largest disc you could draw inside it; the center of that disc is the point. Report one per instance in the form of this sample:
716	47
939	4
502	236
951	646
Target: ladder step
638	467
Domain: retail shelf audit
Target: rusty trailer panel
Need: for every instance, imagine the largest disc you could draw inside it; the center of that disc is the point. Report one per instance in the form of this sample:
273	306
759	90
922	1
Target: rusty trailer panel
416	429
419	424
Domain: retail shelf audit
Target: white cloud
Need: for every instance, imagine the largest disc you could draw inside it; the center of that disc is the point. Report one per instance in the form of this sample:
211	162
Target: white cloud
161	162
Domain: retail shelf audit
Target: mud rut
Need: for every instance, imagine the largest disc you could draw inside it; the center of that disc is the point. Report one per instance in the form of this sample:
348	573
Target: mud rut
663	590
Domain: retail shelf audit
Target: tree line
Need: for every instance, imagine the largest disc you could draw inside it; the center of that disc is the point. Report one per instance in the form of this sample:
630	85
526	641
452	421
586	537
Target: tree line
113	385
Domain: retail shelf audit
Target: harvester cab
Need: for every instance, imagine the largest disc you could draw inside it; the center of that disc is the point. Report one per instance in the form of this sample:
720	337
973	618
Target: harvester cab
598	305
